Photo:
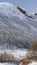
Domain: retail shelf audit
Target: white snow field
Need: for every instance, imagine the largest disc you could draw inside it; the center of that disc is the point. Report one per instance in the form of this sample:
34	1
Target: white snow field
33	63
7	64
18	54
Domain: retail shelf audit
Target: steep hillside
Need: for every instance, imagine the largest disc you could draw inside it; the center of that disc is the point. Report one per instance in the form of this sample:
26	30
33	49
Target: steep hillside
17	28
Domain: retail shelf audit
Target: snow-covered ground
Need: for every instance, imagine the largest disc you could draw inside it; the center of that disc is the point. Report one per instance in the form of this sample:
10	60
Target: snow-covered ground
33	63
18	54
7	64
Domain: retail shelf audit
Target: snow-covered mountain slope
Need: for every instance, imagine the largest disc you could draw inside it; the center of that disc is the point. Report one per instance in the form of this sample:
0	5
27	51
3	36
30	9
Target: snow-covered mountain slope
9	9
17	27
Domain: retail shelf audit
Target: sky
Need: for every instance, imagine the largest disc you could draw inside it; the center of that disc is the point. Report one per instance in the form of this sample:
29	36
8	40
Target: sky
29	5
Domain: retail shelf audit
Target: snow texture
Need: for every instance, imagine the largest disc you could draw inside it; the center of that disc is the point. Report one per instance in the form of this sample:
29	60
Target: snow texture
33	63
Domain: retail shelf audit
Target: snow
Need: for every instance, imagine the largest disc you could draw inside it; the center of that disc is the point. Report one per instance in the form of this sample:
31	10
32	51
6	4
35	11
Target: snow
18	54
10	10
5	8
7	64
33	63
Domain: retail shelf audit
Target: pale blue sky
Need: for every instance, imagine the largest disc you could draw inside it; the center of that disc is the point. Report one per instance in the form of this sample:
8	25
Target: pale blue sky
29	5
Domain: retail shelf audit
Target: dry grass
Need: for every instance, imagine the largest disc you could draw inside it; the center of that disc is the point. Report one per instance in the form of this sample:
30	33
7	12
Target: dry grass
28	60
25	61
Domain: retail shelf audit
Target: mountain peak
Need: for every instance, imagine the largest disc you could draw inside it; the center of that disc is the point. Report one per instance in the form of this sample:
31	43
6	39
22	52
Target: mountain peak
5	3
7	9
10	10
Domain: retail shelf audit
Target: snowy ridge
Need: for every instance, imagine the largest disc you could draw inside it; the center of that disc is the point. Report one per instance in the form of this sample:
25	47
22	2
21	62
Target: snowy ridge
9	10
17	27
5	8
